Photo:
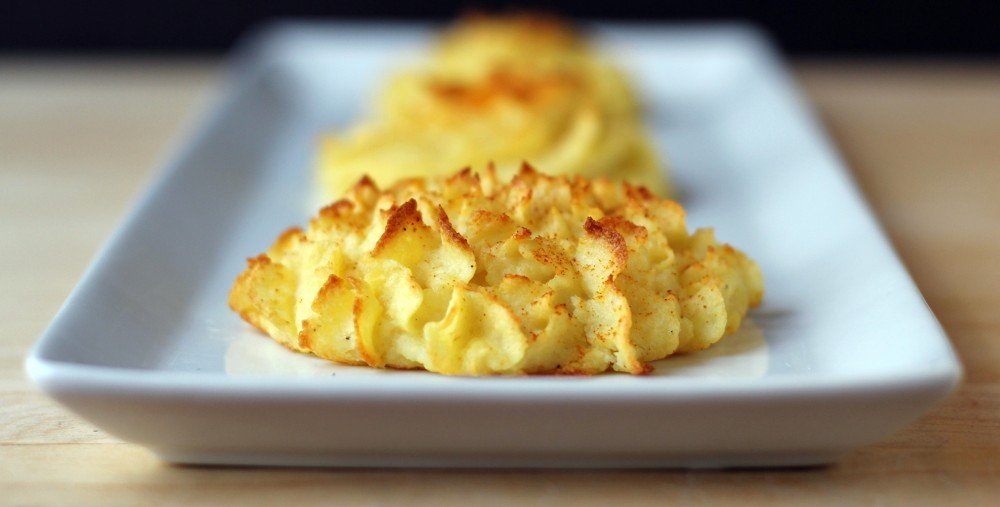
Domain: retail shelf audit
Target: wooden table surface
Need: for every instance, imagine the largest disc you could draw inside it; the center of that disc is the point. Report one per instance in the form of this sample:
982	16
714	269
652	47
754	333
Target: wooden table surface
80	139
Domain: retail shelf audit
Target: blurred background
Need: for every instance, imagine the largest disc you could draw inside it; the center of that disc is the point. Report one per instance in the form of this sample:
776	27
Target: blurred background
96	95
834	28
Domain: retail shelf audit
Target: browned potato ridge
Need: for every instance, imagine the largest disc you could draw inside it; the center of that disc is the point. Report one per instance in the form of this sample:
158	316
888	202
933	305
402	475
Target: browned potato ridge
466	275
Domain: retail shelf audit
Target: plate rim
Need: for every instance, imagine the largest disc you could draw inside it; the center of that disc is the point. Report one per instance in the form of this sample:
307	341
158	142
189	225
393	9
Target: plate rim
56	376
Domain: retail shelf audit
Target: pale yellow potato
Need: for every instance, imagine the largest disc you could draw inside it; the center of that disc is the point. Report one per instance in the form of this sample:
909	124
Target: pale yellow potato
501	90
467	275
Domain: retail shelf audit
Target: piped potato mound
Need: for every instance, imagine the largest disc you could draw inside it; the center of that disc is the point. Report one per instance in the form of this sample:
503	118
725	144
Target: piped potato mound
468	275
501	89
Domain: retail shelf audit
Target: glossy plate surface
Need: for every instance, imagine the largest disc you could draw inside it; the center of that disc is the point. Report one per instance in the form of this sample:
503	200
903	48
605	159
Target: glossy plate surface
843	352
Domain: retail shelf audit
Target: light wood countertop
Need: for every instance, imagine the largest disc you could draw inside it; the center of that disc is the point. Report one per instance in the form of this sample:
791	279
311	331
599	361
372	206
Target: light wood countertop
80	139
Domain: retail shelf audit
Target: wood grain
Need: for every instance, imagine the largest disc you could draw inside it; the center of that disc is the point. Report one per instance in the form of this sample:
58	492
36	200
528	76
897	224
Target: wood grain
78	139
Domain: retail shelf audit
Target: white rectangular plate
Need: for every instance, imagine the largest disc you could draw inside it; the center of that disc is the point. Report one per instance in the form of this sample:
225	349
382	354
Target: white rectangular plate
843	352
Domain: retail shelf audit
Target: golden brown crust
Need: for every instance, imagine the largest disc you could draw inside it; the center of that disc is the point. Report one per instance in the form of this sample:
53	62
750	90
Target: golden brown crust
400	220
624	228
287	240
236	295
614	240
466	275
500	89
445	224
336	209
